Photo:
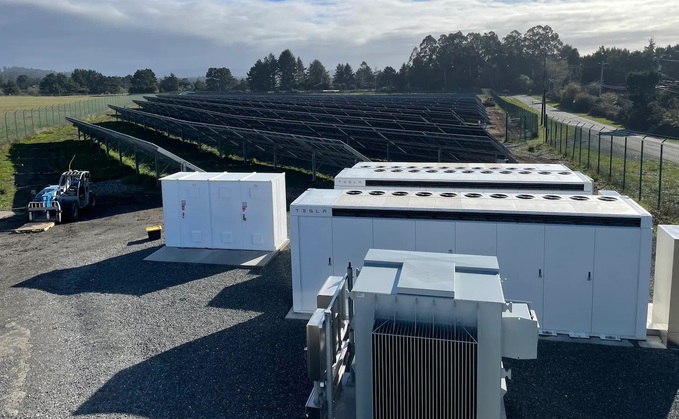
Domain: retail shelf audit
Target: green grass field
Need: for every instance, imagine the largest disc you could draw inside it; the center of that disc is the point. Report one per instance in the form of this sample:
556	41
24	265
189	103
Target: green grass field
14	103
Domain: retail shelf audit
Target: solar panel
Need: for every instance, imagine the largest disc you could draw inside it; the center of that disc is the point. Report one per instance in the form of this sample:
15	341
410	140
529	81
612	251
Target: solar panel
252	142
134	142
381	143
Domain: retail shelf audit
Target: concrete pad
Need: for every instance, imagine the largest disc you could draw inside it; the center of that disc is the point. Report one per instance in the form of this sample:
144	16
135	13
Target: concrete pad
241	258
593	340
653	342
297	316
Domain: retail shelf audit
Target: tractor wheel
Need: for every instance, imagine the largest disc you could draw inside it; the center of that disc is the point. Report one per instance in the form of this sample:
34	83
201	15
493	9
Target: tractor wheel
75	212
93	200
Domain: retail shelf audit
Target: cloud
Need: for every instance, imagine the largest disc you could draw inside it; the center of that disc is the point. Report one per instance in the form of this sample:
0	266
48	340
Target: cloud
382	32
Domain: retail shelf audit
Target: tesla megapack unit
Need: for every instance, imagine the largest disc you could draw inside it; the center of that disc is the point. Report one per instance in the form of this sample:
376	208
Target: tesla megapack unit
430	333
483	180
583	262
225	210
549	167
665	316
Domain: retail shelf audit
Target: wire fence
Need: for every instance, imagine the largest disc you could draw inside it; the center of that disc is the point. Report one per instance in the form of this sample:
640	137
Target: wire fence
519	122
22	123
639	165
636	164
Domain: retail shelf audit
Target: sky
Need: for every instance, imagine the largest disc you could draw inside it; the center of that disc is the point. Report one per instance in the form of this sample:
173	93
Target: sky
186	37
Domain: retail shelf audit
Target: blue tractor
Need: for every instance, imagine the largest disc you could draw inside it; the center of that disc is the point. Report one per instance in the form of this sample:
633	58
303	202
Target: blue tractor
63	202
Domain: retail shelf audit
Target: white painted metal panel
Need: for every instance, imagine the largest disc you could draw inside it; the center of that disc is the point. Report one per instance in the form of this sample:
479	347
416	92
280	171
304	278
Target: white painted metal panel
521	254
569	266
351	239
257	216
435	236
615	281
394	234
227	228
171	212
195	230
312	259
476	238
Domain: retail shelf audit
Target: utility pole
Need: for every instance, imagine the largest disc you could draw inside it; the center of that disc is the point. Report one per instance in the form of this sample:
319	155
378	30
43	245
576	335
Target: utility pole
601	79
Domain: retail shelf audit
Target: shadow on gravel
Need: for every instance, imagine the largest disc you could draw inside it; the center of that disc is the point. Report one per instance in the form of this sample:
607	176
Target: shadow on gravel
250	370
580	380
270	292
255	369
127	274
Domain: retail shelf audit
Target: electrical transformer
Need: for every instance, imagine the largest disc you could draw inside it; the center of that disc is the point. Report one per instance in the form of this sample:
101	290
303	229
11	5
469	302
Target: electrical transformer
429	334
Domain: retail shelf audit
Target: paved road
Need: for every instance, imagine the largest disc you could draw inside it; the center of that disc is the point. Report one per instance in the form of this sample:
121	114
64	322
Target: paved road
651	144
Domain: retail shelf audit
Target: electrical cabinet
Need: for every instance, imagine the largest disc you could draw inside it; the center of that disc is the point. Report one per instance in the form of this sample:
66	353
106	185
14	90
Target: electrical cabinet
225	210
491	178
582	265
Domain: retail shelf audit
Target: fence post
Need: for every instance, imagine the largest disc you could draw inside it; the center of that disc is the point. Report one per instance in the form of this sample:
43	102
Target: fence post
580	147
589	143
32	123
624	165
506	126
575	135
23	112
662	145
641	167
598	155
16	126
6	128
52	115
610	160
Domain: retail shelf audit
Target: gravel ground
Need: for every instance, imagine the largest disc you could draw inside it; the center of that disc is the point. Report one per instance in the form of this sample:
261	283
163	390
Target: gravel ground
87	328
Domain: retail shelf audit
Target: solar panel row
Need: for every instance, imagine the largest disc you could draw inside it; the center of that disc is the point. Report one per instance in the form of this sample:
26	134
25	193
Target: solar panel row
267	146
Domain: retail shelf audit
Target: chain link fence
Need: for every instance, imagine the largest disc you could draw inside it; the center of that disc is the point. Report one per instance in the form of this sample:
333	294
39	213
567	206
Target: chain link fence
19	124
636	164
519	122
639	165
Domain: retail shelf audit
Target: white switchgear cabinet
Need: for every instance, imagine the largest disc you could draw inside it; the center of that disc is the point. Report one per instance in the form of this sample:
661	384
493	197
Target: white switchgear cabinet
225	210
474	178
583	262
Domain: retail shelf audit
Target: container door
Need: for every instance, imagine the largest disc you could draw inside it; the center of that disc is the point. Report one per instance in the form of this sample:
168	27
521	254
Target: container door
195	214
569	265
312	252
351	239
227	224
521	256
476	238
257	215
615	281
435	236
171	213
394	234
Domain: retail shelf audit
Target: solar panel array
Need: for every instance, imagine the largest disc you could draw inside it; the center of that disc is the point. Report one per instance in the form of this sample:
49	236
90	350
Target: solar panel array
103	135
252	143
444	128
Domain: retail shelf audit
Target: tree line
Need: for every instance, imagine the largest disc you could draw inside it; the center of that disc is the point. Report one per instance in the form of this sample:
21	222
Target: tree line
638	88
